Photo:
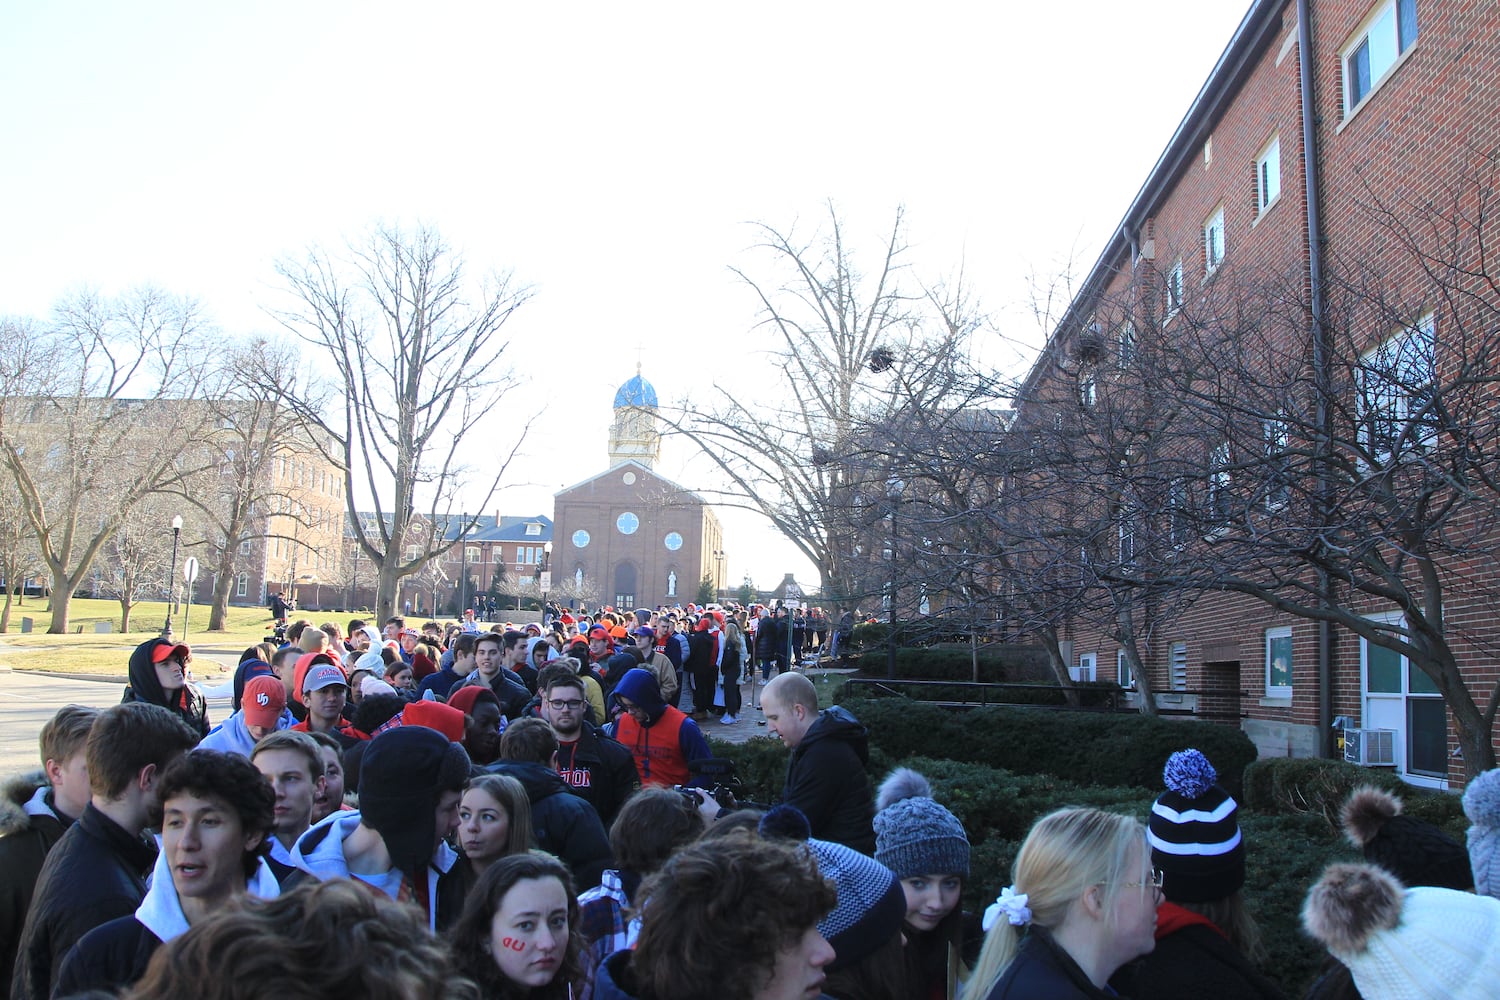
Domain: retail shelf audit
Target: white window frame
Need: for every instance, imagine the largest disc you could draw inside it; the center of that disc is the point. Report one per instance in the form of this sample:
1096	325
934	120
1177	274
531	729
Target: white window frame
1276	440
1268	176
242	585
1088	667
1178	515
1126	341
533	528
471	554
1380	35
1124	676
1405	697
1088	386
1127	542
1213	241
1174	289
1276	635
1220	482
1179	666
1388	378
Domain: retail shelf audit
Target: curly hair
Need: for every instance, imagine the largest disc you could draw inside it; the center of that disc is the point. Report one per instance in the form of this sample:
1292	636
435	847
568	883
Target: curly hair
471	933
334	938
718	912
230	778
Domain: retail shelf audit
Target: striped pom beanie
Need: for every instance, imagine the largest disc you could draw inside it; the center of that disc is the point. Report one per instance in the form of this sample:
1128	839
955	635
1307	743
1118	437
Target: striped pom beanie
1195	833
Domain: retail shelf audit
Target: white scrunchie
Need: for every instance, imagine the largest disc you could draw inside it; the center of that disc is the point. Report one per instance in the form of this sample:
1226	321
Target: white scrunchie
1011	905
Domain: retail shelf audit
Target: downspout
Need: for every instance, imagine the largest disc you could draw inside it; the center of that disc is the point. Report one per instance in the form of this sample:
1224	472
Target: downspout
1320	358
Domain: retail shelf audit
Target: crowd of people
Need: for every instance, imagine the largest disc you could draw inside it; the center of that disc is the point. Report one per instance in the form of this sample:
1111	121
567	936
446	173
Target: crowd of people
526	812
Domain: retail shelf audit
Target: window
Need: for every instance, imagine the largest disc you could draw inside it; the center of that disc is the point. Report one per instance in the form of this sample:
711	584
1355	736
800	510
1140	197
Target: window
1279	662
533	528
245	547
471	553
1276	438
241	584
409	554
1127	542
1086	665
1179	666
1213	241
1123	674
1389	32
1177	512
1088	386
1268	176
1396	382
1219	482
1127	343
1174	289
1399	696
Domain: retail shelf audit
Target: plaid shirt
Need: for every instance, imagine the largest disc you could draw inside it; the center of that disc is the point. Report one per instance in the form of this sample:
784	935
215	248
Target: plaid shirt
602	924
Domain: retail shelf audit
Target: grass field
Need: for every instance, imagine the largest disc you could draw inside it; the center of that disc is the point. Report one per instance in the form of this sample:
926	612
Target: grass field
88	652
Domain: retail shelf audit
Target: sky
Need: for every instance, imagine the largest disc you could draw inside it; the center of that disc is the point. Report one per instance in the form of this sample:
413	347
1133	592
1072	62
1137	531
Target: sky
613	157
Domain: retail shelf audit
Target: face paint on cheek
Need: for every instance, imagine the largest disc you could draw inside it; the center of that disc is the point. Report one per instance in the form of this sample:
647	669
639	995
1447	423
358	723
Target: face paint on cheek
513	944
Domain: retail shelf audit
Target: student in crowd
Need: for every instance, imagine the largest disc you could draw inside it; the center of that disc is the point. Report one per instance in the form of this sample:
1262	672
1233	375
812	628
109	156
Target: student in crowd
158	676
864	926
323	939
410	782
36	809
516	938
262	711
293	764
926	847
330	799
733	918
494	821
662	739
458	662
653	825
215	814
1084	898
595	767
483	722
98	870
325	690
564	824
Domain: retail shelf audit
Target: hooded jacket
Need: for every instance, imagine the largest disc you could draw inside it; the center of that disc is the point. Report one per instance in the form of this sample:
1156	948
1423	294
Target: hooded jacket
826	780
233	735
564	824
189	705
29	825
669	740
115	955
320	853
95	873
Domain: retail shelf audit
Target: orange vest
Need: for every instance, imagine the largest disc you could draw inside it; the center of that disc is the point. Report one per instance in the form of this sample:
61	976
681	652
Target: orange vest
657	750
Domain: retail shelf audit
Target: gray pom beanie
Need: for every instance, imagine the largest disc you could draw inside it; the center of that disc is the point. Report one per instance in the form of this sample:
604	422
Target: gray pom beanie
913	834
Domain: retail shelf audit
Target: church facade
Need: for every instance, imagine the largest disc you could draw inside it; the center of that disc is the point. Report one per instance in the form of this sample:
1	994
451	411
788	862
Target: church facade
628	536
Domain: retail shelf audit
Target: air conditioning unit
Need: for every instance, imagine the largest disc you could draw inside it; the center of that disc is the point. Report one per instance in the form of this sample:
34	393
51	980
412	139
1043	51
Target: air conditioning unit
1370	747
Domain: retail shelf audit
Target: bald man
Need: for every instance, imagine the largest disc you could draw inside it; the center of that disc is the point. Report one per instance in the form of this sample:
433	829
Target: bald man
825	777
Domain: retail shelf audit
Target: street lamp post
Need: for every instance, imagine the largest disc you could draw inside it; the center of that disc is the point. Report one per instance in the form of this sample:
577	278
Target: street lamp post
166	630
894	488
544	578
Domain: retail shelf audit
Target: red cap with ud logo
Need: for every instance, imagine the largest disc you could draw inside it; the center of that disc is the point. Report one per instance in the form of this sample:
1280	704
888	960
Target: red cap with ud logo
264	701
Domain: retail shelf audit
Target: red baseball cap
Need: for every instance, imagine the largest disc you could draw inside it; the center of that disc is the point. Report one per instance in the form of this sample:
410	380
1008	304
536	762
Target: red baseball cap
264	701
166	650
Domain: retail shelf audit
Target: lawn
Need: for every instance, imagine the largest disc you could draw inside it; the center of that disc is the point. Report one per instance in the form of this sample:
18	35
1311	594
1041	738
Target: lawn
83	651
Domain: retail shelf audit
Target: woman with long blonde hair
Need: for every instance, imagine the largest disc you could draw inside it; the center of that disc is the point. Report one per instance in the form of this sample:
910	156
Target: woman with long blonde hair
1083	904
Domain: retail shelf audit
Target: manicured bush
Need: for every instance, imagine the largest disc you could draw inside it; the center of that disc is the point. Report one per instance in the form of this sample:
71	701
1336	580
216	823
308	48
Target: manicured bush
1092	694
1085	747
760	764
956	663
1311	786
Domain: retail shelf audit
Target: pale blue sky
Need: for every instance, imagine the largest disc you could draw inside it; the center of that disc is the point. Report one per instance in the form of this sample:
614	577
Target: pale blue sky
610	154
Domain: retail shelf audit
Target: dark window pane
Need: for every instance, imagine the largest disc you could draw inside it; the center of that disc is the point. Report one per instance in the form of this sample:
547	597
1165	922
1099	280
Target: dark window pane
1427	737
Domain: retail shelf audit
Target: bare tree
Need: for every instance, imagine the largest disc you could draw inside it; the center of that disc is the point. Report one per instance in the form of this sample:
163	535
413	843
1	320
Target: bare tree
847	344
19	556
417	356
133	565
105	421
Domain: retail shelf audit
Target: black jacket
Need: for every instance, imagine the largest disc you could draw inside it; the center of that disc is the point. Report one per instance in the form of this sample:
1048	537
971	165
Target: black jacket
564	824
189	705
1043	971
25	839
826	780
599	770
97	872
1191	962
113	956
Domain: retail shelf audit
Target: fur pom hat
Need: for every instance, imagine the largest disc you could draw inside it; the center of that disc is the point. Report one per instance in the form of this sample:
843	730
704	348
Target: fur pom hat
1482	806
913	834
1400	943
1414	851
1194	830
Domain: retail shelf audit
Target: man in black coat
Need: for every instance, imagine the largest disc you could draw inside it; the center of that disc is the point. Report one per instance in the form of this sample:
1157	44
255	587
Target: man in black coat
98	870
597	769
825	775
564	824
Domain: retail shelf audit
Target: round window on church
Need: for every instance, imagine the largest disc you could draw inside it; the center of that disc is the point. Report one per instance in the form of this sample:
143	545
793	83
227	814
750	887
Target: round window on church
673	541
629	478
580	539
627	523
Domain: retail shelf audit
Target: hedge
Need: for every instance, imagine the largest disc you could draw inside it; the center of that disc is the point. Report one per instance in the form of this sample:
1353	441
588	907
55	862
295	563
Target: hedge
1319	788
1084	747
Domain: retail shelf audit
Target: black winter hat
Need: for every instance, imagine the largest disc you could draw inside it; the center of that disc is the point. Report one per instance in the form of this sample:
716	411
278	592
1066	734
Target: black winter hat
403	773
1414	851
1194	832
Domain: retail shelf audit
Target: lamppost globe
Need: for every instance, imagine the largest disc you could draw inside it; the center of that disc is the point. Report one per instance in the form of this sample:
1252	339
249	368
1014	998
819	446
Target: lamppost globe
166	629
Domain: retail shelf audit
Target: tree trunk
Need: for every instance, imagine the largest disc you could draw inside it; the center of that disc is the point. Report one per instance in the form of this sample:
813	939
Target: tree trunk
385	587
5	614
223	580
1143	685
61	603
1473	725
1059	668
126	606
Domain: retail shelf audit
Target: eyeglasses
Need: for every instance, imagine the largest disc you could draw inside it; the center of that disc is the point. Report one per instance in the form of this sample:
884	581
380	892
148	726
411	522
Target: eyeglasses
572	705
1155	881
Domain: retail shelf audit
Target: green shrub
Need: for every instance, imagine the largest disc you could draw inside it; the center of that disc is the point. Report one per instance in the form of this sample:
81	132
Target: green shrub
1316	787
760	764
1085	747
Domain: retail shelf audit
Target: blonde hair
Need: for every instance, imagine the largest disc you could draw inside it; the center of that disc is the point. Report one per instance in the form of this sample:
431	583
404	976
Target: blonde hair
1066	853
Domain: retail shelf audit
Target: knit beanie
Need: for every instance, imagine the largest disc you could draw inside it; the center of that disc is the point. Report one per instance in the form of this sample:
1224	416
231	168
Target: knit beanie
1401	943
913	834
1413	850
402	774
870	907
1194	832
1482	806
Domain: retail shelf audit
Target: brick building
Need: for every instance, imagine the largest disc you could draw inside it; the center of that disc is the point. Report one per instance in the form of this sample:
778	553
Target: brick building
1316	214
628	536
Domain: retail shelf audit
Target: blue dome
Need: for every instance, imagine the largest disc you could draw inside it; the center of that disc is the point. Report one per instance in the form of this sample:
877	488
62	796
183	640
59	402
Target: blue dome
636	392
